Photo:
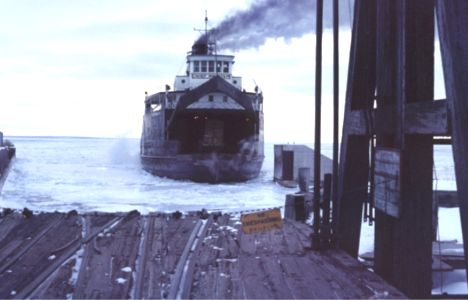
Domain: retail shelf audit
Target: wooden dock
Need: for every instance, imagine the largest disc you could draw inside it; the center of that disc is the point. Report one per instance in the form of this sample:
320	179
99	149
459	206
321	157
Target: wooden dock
97	255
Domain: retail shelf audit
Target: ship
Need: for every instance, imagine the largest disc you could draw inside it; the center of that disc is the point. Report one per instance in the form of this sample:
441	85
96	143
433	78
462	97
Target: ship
7	153
207	128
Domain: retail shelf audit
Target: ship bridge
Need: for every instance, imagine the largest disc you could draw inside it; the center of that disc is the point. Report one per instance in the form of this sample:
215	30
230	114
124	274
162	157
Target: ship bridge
203	64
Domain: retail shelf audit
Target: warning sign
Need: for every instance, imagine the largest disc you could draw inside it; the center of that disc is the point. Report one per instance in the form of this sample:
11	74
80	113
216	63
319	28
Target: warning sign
261	221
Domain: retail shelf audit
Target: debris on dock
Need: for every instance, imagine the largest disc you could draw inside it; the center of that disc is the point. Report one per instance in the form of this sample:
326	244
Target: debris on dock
128	255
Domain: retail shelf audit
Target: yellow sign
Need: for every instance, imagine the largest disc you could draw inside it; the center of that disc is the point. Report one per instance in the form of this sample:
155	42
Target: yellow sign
261	221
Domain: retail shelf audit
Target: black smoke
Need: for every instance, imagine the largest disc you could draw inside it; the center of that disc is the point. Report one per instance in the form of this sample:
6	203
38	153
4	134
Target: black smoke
274	19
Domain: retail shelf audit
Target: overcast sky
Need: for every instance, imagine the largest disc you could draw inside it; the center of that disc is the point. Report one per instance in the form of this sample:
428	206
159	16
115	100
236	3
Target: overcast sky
80	68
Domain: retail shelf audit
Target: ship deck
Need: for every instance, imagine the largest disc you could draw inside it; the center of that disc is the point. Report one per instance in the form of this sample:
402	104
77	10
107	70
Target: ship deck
100	255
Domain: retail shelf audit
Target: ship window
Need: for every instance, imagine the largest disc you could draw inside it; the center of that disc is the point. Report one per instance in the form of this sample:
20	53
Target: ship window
226	67
211	66
196	66
203	65
218	67
225	98
210	98
156	107
183	80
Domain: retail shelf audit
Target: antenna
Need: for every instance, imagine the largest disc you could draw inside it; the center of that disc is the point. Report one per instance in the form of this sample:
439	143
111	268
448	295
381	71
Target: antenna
206	22
210	46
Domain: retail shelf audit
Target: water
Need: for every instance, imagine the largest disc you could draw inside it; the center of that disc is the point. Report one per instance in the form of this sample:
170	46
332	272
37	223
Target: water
89	174
96	174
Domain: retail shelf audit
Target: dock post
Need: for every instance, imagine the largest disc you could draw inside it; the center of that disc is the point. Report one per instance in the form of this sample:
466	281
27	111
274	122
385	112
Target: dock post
304	180
295	207
318	108
452	24
405	75
336	105
354	155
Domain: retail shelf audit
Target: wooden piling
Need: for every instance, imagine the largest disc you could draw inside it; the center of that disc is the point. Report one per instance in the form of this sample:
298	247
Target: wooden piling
318	105
336	107
304	180
295	208
453	35
402	54
354	157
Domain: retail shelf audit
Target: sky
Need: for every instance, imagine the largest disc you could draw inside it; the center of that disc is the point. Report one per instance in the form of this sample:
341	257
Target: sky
81	68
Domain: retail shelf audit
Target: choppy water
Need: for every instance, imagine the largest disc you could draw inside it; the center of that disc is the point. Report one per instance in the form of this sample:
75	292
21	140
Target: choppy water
89	174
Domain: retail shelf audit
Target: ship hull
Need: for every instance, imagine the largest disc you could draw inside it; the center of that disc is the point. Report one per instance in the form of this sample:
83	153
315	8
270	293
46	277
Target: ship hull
211	168
212	133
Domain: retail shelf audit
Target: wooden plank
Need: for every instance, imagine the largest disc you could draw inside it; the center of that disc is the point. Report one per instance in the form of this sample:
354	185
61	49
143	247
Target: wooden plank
387	181
296	240
38	261
154	279
448	248
23	236
59	285
452	24
249	268
8	223
217	260
429	118
58	280
305	279
264	266
438	263
181	282
143	255
440	266
363	284
167	238
109	261
224	263
446	198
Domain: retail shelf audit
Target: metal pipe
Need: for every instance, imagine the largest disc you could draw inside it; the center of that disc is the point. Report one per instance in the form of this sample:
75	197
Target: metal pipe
318	108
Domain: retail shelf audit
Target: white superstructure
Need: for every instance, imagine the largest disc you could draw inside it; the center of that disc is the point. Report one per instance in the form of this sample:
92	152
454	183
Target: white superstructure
201	68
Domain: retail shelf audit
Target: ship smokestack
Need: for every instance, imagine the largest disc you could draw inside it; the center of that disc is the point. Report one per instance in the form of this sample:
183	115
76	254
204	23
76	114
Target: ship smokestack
200	47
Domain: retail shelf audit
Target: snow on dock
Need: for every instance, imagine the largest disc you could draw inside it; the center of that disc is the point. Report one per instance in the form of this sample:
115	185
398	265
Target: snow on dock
110	255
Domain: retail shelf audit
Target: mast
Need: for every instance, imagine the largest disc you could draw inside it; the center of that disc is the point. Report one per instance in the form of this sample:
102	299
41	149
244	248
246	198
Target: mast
206	24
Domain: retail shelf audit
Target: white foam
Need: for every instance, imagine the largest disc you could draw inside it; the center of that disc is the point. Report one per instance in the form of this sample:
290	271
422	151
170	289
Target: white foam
121	280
